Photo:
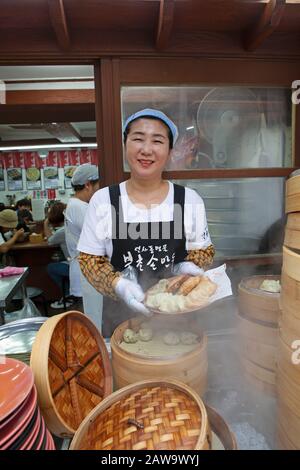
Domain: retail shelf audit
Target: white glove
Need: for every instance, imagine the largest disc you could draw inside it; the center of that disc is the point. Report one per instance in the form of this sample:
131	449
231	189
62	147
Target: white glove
132	294
187	267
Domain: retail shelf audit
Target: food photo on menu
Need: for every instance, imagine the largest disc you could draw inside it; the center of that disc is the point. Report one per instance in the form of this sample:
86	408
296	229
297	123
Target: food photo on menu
33	178
51	180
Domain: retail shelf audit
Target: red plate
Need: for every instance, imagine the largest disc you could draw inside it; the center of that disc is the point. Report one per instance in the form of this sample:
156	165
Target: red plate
40	441
50	443
33	435
17	425
16	381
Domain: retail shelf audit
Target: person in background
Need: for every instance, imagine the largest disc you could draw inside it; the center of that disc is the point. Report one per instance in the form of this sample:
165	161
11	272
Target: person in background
24	219
54	232
146	223
85	182
23	204
8	233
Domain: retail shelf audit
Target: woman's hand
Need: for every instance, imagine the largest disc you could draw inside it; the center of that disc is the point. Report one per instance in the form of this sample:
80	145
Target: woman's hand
19	233
132	294
187	267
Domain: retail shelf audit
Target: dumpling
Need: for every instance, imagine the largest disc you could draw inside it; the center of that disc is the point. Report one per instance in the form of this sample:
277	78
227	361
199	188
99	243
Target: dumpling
145	334
187	337
158	287
171	338
201	293
129	336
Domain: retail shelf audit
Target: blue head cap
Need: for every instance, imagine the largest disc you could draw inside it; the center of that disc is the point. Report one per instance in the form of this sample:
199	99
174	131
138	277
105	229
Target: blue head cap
157	114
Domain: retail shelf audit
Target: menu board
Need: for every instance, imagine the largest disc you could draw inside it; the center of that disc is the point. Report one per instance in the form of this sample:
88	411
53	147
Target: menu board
69	162
50	170
33	172
14	162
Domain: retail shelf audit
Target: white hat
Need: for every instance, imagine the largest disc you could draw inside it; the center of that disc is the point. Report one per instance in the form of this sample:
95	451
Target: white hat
85	173
148	112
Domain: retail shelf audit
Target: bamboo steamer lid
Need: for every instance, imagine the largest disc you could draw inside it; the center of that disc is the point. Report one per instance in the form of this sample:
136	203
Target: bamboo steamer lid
255	303
291	263
71	369
147	415
292	201
219	426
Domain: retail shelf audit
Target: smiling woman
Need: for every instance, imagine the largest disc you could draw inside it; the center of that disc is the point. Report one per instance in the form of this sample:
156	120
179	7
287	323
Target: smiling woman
147	224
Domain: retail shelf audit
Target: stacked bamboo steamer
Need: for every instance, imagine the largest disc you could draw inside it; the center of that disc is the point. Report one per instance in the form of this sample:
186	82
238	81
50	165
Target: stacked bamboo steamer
153	415
258	331
190	367
72	371
288	373
74	382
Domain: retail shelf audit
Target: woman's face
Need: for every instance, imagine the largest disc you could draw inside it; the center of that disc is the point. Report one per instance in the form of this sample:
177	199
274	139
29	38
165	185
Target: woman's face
147	148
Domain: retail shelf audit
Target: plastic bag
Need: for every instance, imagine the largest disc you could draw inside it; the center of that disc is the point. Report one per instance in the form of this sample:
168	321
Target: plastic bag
29	310
130	273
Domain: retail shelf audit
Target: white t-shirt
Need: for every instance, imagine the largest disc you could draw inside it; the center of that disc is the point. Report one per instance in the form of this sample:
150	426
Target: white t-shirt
59	238
74	217
2	239
96	235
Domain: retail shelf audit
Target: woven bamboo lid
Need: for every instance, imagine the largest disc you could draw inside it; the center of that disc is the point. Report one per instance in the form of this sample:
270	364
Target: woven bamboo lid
152	415
71	370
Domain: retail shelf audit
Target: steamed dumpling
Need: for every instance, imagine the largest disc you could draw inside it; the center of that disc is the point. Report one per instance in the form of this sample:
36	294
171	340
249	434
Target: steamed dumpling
187	337
171	338
145	334
130	336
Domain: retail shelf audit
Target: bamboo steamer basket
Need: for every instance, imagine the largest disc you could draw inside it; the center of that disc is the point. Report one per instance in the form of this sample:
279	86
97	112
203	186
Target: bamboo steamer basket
190	368
71	369
288	390
289	423
258	342
219	426
290	296
291	263
287	332
147	415
292	231
255	303
283	441
288	359
264	379
292	195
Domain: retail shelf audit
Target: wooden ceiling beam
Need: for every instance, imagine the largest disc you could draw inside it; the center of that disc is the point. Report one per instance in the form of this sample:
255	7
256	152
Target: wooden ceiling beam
59	23
165	23
267	23
37	113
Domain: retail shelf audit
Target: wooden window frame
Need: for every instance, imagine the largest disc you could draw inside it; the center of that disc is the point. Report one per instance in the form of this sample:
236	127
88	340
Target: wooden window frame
111	74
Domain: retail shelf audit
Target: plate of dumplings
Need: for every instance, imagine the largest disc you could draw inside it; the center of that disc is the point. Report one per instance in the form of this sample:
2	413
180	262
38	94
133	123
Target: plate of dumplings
180	294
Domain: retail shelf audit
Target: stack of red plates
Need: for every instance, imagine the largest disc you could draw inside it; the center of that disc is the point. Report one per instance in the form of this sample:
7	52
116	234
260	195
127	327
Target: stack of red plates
22	426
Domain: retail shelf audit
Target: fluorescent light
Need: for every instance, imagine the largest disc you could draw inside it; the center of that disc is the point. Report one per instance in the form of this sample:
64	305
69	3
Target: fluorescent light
190	128
48	147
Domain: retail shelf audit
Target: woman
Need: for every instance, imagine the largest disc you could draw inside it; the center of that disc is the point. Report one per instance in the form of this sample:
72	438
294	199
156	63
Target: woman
54	232
8	233
147	223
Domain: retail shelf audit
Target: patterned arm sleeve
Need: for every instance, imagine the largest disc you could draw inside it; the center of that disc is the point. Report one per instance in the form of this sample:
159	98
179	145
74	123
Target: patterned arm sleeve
203	257
100	273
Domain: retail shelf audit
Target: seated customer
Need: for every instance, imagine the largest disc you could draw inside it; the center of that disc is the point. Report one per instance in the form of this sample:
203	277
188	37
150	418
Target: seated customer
54	231
8	235
24	219
23	204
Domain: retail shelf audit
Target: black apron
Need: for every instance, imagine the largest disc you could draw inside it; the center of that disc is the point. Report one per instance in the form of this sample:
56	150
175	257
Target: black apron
151	248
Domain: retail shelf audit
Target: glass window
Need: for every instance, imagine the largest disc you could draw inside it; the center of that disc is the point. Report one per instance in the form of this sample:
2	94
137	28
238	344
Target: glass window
245	216
221	127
